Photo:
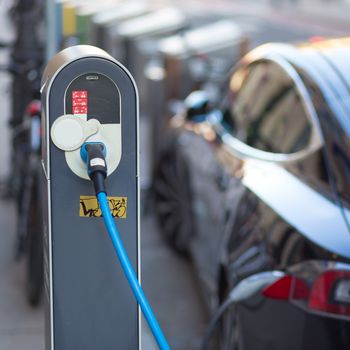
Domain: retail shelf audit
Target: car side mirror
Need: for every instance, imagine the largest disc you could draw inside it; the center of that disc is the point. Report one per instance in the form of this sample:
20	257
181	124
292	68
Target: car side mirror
197	106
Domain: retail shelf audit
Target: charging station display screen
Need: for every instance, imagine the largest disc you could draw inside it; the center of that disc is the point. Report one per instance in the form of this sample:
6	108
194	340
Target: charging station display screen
94	95
80	102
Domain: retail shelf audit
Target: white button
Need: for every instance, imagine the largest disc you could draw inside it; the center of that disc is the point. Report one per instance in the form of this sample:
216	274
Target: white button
67	134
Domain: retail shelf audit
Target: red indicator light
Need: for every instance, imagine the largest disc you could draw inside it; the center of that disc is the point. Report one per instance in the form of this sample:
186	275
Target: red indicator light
80	110
79	102
79	94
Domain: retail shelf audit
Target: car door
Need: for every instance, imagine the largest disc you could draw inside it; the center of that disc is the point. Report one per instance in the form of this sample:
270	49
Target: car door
274	133
268	117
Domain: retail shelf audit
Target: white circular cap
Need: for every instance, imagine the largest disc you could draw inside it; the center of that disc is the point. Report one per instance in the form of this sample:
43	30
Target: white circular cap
67	133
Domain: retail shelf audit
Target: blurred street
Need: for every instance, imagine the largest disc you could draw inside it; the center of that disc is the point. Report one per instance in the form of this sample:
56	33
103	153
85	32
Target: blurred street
168	279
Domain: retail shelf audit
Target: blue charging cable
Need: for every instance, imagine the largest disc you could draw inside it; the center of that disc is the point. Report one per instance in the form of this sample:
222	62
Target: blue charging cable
94	155
130	273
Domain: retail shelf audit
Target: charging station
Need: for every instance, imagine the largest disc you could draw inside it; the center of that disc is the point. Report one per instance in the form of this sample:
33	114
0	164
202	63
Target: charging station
89	97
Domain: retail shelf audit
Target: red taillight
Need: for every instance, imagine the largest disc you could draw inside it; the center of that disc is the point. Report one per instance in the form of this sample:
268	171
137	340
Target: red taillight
33	108
287	287
325	294
316	39
329	291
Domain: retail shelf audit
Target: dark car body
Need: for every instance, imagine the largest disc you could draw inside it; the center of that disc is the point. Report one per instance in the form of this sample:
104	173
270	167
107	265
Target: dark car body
260	189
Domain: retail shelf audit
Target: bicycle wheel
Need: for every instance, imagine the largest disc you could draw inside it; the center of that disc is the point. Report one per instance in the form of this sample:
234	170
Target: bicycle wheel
35	258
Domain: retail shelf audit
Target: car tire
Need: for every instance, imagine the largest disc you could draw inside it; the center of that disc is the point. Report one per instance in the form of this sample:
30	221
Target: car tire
230	333
172	197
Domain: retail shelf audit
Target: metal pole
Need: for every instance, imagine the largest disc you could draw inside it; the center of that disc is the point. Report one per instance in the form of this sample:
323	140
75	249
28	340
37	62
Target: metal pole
53	27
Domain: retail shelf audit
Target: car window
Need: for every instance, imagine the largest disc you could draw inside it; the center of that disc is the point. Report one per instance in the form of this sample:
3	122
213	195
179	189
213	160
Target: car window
266	109
336	145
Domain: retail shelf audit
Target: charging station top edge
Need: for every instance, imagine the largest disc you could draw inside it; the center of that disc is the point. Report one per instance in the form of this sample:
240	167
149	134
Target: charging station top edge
73	53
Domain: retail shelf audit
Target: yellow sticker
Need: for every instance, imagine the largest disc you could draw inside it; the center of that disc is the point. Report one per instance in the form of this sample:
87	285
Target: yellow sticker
89	207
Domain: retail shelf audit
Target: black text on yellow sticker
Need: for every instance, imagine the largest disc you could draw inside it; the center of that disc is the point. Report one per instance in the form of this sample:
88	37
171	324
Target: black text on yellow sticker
89	207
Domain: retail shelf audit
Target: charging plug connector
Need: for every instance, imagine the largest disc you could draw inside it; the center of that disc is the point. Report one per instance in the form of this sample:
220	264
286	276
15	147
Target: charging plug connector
94	155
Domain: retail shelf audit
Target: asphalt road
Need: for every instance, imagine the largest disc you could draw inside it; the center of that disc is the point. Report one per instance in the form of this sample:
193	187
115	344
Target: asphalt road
168	279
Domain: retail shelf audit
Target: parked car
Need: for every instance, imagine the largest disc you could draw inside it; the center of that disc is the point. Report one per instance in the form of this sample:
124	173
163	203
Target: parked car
199	57
257	192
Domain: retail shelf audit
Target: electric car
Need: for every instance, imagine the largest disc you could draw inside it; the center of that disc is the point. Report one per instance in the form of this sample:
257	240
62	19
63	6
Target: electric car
257	192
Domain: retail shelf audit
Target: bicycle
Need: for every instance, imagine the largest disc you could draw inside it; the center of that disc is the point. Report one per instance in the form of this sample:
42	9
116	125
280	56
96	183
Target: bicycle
24	182
30	206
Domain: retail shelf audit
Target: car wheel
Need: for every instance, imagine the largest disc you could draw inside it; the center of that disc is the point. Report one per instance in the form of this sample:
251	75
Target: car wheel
227	332
231	337
172	196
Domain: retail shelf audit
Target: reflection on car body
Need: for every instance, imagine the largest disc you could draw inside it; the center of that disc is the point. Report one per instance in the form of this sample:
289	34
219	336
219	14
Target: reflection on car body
266	178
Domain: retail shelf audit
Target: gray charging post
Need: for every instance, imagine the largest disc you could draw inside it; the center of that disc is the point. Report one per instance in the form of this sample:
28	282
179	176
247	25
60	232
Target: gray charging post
89	304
